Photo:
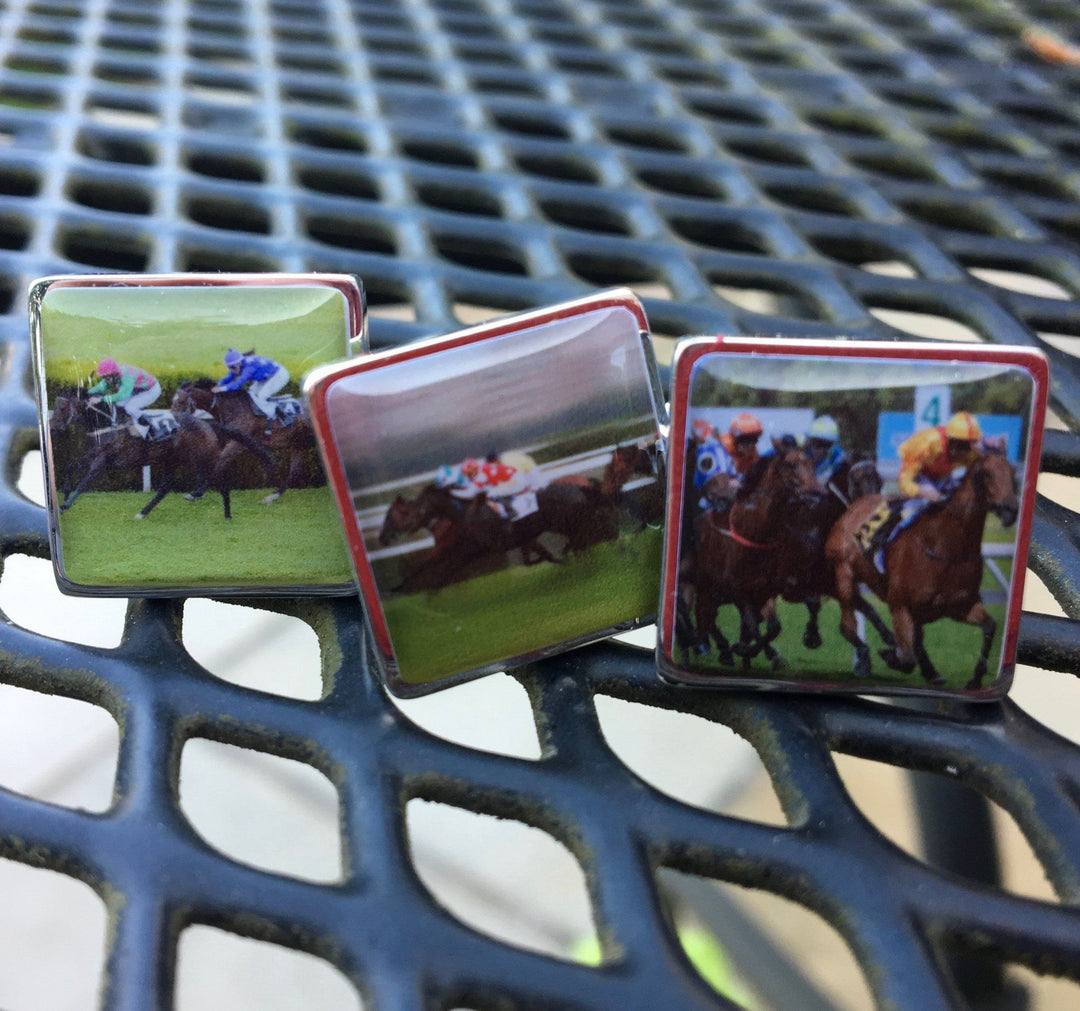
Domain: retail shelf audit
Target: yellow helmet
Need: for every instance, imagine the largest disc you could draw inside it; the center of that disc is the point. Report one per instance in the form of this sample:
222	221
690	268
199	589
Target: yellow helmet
963	425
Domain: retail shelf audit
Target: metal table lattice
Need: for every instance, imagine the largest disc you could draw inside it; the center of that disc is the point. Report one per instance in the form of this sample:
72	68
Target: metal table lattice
745	164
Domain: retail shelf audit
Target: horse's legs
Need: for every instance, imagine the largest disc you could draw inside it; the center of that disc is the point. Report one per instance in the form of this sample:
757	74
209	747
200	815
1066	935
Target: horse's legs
772	630
723	647
202	485
292	478
97	465
219	475
812	636
848	596
926	666
750	641
978	615
706	612
163	490
901	656
865	608
69	473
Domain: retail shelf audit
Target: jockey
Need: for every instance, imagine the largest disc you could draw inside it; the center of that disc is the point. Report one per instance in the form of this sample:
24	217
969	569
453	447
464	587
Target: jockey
707	457
264	374
932	462
741	439
128	387
823	447
460	478
499	479
930	459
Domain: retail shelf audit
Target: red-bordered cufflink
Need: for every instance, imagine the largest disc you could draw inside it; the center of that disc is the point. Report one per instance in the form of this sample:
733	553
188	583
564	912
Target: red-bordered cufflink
179	458
849	516
499	487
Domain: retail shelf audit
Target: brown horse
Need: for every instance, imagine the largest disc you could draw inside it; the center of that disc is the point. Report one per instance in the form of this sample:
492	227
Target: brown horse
933	568
194	446
738	558
464	531
806	574
584	511
236	410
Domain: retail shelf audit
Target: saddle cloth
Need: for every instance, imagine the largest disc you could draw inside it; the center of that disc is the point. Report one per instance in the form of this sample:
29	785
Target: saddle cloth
161	425
524	504
287	409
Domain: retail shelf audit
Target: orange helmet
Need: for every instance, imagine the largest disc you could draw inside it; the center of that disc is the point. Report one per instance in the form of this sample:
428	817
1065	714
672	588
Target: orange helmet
745	424
963	425
701	428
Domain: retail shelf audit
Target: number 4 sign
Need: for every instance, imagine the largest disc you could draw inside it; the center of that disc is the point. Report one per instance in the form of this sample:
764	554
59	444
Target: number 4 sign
932	406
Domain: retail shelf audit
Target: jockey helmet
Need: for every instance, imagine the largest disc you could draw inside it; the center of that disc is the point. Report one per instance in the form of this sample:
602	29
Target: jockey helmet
745	424
108	367
963	426
445	476
470	467
701	429
233	358
823	428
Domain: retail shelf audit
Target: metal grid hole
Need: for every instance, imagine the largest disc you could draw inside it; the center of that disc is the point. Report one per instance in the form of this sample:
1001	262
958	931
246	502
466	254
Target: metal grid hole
285	814
26	582
49	963
257	973
56	749
545	909
264	651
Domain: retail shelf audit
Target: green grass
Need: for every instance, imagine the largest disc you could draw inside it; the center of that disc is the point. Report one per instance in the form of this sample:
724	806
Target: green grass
295	541
953	648
518	610
180	333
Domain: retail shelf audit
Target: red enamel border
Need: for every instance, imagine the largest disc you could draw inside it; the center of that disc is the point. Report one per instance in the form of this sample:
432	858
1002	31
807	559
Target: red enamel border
689	352
318	385
343	283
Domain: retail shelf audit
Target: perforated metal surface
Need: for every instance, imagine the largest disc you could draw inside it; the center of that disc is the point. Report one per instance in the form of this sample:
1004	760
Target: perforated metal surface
505	154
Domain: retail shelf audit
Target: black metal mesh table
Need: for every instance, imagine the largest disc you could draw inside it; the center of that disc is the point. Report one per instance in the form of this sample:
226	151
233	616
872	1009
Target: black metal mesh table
748	166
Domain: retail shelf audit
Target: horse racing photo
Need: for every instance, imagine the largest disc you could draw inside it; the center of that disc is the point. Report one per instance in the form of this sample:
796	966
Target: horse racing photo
178	453
849	520
503	489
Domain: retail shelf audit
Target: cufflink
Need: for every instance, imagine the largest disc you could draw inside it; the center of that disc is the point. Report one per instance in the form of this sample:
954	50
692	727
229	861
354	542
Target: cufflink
849	516
499	487
178	456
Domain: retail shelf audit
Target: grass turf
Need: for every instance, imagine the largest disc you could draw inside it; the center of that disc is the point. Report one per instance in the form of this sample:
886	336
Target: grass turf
518	610
952	647
294	541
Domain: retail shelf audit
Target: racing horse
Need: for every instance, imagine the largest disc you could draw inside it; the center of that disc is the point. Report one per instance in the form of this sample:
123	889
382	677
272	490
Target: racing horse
464	530
194	445
806	575
738	556
236	411
584	511
933	568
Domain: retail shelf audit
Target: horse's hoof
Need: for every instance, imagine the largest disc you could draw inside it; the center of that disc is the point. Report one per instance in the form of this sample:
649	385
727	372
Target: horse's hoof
701	649
811	638
974	685
779	663
270	498
890	657
937	681
726	658
140	516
